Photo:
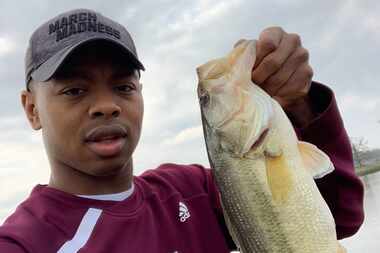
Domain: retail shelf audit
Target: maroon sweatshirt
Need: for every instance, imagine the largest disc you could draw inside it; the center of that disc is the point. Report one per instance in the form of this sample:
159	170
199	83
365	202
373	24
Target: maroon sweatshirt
173	208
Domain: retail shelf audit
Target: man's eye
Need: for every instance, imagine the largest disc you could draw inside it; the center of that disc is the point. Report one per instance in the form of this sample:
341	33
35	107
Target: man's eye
74	92
125	88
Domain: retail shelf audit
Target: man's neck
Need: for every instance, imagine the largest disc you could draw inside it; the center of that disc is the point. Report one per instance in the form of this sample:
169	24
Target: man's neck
73	181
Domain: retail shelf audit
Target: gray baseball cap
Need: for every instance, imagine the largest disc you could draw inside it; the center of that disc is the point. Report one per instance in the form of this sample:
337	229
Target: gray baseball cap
54	40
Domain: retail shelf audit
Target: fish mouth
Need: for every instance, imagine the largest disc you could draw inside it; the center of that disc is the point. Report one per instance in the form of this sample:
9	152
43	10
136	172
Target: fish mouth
260	140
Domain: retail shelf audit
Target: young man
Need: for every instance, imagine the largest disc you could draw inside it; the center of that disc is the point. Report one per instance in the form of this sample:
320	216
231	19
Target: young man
83	92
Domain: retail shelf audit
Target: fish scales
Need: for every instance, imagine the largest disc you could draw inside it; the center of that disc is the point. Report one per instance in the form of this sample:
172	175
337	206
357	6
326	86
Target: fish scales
264	174
239	204
235	203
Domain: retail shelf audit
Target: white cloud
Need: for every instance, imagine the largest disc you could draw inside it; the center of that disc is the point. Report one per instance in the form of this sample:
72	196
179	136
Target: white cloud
23	162
6	46
356	102
202	14
211	10
181	32
372	23
185	135
361	115
352	101
343	17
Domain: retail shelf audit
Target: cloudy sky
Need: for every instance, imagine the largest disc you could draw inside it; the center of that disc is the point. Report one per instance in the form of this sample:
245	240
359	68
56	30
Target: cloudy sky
172	38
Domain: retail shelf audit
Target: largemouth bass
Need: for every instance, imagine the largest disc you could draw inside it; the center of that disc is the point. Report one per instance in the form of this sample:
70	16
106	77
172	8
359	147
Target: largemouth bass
264	174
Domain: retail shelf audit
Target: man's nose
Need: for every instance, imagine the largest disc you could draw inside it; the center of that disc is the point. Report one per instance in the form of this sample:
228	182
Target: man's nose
104	105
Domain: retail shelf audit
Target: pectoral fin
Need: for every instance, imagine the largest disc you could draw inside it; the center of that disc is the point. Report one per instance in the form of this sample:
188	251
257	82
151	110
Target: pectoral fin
315	161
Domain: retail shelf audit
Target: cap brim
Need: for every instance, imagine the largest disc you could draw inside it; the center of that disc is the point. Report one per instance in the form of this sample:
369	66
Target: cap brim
46	70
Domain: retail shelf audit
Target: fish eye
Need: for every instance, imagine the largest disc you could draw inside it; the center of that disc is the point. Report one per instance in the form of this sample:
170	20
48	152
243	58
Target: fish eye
204	99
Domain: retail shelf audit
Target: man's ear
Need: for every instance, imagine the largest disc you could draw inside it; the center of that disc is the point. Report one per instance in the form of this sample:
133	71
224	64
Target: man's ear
31	111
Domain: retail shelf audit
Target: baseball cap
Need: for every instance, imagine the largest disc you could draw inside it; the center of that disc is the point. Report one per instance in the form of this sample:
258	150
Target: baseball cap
53	41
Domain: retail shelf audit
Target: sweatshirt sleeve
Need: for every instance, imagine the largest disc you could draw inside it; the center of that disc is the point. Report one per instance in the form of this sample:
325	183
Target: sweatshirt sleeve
342	189
9	247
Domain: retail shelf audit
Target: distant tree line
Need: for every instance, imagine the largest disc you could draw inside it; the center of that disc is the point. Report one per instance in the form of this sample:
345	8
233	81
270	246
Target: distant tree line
363	155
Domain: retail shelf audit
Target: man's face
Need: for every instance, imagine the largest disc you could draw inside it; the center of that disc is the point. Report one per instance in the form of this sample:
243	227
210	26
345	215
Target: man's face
91	113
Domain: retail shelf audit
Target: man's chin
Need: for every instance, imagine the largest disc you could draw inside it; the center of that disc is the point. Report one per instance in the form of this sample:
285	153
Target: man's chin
110	170
107	166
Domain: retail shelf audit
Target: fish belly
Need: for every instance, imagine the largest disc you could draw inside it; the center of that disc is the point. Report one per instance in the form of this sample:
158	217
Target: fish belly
257	223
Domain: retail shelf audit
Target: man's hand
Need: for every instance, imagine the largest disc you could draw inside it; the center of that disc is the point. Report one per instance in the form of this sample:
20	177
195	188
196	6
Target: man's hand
282	69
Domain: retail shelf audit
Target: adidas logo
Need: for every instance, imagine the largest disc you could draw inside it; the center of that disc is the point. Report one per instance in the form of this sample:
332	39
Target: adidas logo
184	213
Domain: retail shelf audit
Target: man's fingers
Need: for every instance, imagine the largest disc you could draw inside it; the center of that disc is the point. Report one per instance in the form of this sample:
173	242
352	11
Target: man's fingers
275	60
268	41
282	66
298	84
276	81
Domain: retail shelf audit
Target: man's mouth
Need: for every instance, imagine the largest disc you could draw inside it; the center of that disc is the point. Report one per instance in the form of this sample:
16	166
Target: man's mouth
107	140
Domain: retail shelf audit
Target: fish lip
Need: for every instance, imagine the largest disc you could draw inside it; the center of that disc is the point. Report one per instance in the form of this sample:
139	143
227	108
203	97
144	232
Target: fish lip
105	132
